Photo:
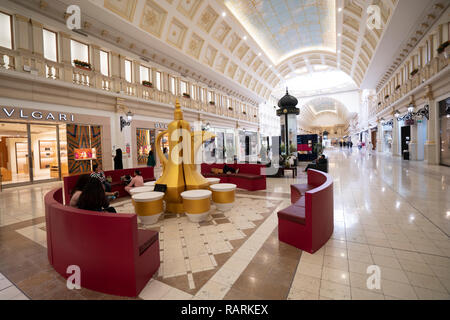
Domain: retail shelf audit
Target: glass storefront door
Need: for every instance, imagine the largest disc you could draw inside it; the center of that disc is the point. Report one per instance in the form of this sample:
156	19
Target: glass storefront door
30	152
44	150
14	153
145	140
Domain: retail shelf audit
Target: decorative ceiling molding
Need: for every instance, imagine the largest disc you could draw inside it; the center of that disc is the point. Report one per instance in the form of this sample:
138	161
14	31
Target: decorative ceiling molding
428	19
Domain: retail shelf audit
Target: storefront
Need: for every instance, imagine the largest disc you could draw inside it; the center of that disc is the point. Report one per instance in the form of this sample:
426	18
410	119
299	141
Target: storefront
373	133
387	137
144	135
248	146
444	120
43	145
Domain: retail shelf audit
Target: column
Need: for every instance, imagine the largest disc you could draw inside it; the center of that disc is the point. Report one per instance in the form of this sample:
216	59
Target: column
165	82
115	71
38	41
431	146
95	59
136	77
38	47
380	137
65	56
136	74
22	42
153	76
413	152
395	139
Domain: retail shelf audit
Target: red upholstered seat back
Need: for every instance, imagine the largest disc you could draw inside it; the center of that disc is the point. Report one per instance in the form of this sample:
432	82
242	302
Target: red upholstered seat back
249	168
243	167
319	204
71	181
91	240
206	167
316	178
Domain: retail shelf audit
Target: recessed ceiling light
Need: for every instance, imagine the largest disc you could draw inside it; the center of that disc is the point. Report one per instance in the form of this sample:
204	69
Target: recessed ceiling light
224	14
245	38
259	54
270	66
339	9
339	34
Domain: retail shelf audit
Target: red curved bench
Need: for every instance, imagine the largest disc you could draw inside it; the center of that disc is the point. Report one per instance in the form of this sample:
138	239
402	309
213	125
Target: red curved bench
114	256
309	222
116	185
248	178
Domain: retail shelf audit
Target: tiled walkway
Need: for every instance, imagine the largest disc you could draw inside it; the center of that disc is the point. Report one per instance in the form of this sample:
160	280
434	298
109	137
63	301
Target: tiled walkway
390	213
8	291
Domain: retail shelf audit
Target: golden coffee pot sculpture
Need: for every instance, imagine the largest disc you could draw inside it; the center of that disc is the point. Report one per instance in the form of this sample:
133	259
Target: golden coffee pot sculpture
179	170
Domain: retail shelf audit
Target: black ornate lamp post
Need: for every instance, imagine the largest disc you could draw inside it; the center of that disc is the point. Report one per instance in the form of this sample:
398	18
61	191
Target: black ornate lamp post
288	113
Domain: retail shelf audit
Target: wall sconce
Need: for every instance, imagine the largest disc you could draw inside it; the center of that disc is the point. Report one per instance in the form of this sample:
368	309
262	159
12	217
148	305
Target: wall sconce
396	114
411	115
206	127
124	123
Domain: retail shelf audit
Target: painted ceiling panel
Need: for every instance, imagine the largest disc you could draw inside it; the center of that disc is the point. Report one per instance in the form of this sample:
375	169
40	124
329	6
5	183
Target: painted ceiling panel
284	28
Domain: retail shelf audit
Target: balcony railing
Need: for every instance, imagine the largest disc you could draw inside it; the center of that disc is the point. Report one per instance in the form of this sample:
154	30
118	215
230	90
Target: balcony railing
13	60
432	68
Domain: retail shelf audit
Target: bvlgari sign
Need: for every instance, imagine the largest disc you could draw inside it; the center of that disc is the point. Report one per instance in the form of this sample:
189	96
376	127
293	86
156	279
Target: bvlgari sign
30	114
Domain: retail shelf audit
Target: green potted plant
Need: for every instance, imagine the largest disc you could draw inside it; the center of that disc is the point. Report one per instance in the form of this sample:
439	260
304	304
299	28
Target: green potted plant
442	47
318	148
82	64
283	148
292	149
414	72
146	83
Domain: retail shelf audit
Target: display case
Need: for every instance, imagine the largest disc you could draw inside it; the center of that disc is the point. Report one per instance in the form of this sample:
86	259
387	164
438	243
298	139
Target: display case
48	153
22	166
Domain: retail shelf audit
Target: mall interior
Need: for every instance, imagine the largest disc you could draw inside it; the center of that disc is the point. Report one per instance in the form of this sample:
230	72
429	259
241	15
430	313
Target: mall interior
220	111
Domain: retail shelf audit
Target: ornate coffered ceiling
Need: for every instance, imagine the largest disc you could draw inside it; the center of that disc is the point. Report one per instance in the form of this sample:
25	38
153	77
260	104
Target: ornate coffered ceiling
243	47
201	30
283	28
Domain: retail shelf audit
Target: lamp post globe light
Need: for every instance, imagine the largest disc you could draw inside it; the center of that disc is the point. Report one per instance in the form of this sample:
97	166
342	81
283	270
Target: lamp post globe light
288	113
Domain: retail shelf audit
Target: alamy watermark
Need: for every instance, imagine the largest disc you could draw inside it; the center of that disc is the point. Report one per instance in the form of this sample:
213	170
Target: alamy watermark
374	280
74	17
374	17
74	280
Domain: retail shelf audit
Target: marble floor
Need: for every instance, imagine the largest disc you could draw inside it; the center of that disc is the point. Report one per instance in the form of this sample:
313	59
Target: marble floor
389	213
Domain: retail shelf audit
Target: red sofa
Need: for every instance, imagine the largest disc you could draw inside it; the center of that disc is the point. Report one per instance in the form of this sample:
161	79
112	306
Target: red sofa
309	222
116	185
114	256
251	177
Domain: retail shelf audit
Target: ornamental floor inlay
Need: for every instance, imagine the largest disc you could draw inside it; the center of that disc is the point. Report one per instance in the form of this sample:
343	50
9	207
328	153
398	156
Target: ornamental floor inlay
188	250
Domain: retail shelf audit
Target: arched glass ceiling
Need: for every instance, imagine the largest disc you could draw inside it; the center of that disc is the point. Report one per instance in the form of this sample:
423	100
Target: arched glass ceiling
318	82
283	28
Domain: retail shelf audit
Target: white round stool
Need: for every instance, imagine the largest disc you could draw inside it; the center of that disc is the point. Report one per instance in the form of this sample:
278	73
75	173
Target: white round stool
197	204
223	195
141	190
212	181
150	184
148	206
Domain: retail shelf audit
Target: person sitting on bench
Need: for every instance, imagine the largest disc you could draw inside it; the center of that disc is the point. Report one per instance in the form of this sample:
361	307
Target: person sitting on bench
315	165
229	170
